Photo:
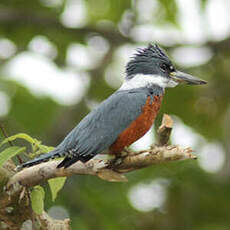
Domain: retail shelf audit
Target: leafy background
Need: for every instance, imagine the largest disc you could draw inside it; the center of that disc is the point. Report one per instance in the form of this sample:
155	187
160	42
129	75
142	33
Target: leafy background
60	58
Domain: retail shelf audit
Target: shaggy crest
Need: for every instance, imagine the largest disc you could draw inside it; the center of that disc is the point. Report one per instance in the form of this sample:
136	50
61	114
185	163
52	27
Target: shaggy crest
144	56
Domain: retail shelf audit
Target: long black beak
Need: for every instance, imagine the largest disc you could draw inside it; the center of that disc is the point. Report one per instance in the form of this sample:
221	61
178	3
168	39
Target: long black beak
181	77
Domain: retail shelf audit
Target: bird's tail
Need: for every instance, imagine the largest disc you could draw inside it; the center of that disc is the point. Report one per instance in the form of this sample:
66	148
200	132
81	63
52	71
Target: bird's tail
43	158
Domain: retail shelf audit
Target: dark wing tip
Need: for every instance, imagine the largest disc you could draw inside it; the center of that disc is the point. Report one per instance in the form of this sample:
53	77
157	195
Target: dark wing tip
68	161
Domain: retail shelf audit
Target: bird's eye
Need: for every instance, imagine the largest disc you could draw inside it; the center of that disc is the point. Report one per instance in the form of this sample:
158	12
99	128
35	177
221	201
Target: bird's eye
164	67
167	68
171	68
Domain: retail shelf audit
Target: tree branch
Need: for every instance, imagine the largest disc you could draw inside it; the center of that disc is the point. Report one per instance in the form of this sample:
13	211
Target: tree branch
110	170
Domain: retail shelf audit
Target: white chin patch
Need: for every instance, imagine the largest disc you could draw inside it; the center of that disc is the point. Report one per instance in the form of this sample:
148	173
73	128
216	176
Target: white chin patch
141	80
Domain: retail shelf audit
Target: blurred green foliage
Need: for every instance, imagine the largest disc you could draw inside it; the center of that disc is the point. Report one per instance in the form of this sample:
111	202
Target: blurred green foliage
195	200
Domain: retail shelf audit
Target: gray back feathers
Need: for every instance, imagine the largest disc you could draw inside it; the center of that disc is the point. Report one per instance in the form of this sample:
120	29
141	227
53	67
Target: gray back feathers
100	128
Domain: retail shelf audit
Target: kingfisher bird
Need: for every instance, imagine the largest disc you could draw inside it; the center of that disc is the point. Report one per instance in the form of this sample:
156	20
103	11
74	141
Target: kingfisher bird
127	114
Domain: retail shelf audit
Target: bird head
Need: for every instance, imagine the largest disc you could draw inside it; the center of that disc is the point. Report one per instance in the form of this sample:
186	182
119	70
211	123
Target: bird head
151	65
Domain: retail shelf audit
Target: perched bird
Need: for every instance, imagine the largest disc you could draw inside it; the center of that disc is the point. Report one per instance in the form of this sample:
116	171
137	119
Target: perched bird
126	115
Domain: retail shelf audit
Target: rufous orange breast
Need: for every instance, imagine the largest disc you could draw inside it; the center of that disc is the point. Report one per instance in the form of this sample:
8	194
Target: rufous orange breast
139	127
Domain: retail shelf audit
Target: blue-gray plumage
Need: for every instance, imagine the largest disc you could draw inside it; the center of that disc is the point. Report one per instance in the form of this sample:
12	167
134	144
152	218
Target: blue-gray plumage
126	115
100	128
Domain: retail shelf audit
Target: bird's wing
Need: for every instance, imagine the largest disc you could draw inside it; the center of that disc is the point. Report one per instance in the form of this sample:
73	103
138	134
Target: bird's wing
100	128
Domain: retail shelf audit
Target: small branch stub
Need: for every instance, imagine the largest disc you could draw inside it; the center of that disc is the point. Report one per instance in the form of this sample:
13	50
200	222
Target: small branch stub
164	131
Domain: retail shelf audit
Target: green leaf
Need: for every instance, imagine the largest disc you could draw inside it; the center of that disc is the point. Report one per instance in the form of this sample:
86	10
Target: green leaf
56	185
19	135
37	199
37	147
6	154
